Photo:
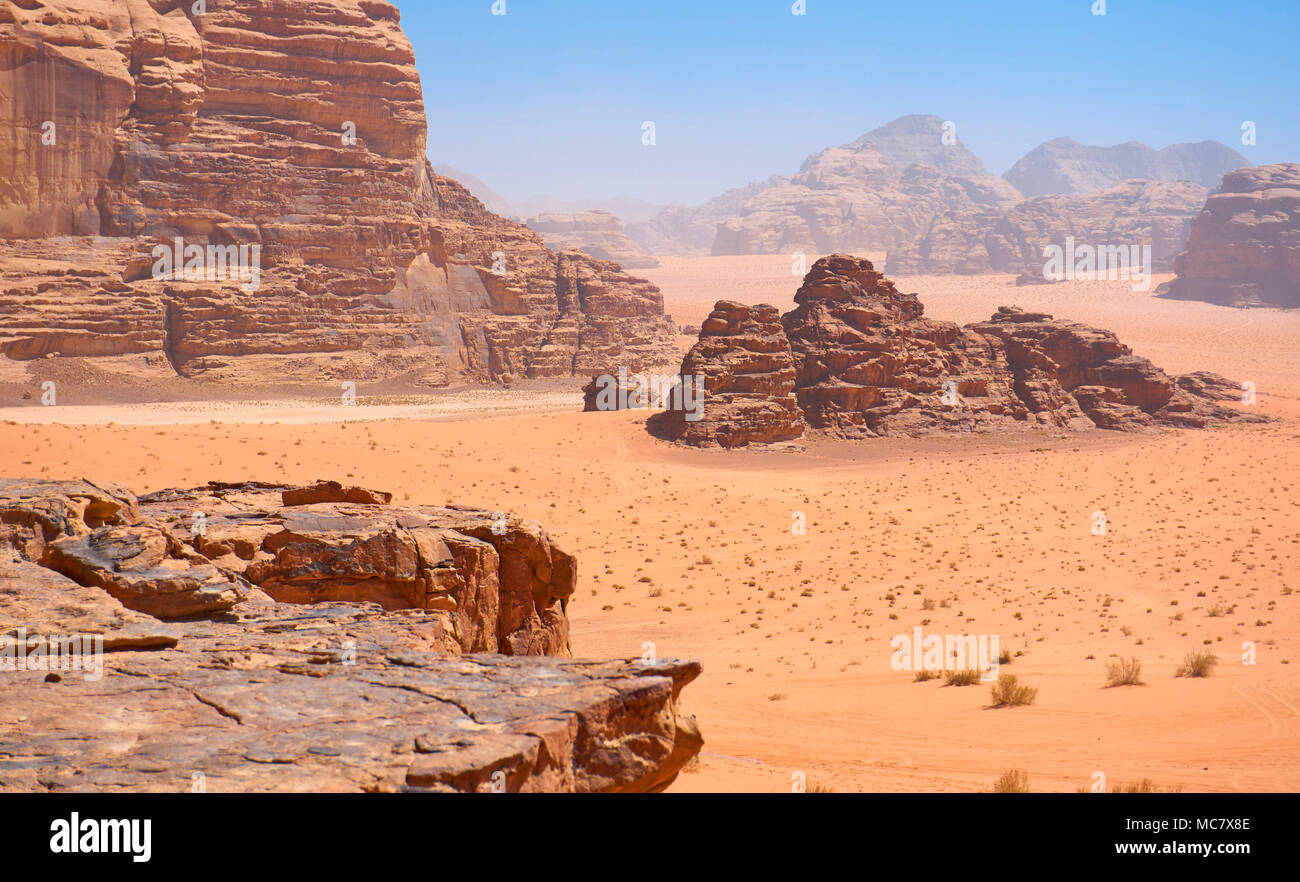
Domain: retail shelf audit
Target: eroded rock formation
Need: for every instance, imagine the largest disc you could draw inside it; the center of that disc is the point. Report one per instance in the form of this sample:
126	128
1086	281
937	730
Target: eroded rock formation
1244	247
295	127
354	648
596	232
867	362
748	376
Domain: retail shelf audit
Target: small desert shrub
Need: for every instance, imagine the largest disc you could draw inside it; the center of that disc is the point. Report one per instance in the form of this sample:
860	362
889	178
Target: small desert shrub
1197	663
923	675
1146	785
1012	781
1010	692
1124	673
818	787
777	696
961	678
1004	657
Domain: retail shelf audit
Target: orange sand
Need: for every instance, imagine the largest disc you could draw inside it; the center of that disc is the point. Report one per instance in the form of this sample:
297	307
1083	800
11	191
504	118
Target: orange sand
693	551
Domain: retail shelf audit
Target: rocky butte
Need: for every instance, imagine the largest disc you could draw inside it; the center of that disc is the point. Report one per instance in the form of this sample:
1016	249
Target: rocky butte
298	127
1244	247
857	358
259	637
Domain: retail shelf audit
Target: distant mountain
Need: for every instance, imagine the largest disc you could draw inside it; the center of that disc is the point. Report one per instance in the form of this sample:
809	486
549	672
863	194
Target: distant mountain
1066	166
492	201
596	232
627	209
873	194
1154	213
919	140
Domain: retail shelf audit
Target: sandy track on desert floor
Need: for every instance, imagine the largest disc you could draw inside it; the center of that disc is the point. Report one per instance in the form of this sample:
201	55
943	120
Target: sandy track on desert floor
693	552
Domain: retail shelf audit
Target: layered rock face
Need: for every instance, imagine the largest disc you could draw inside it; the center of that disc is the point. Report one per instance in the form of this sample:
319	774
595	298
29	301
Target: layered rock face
867	363
596	232
1244	247
748	375
318	638
296	127
1066	166
1141	213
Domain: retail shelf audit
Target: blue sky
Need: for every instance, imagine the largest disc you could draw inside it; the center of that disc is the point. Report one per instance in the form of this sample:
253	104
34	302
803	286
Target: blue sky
550	97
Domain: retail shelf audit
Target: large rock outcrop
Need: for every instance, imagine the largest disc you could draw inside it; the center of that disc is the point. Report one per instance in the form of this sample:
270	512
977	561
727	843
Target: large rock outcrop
293	127
359	653
1133	213
1244	247
867	363
596	232
1066	166
489	582
748	377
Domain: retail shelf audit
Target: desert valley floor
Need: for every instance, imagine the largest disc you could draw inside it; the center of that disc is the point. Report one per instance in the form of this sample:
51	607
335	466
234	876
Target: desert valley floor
692	550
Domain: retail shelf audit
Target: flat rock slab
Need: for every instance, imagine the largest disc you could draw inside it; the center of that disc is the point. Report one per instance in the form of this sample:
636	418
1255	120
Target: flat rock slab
342	697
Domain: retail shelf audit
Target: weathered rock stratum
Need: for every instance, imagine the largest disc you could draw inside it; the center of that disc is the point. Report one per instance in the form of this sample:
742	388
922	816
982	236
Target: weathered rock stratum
266	638
1244	247
868	363
296	127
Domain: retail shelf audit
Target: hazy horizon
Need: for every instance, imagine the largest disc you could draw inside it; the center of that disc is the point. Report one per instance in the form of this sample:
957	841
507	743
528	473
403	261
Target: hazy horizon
739	93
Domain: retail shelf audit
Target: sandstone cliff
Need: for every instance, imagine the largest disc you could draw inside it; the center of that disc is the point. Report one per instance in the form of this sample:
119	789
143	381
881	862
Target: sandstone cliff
318	638
297	127
1244	248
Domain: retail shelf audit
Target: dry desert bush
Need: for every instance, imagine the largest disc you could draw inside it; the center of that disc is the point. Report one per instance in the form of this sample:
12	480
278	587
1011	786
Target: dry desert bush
961	678
1012	781
1124	673
1010	692
1197	663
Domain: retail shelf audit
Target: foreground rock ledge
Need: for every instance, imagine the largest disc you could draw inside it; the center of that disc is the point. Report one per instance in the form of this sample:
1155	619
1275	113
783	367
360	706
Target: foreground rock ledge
247	692
342	697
